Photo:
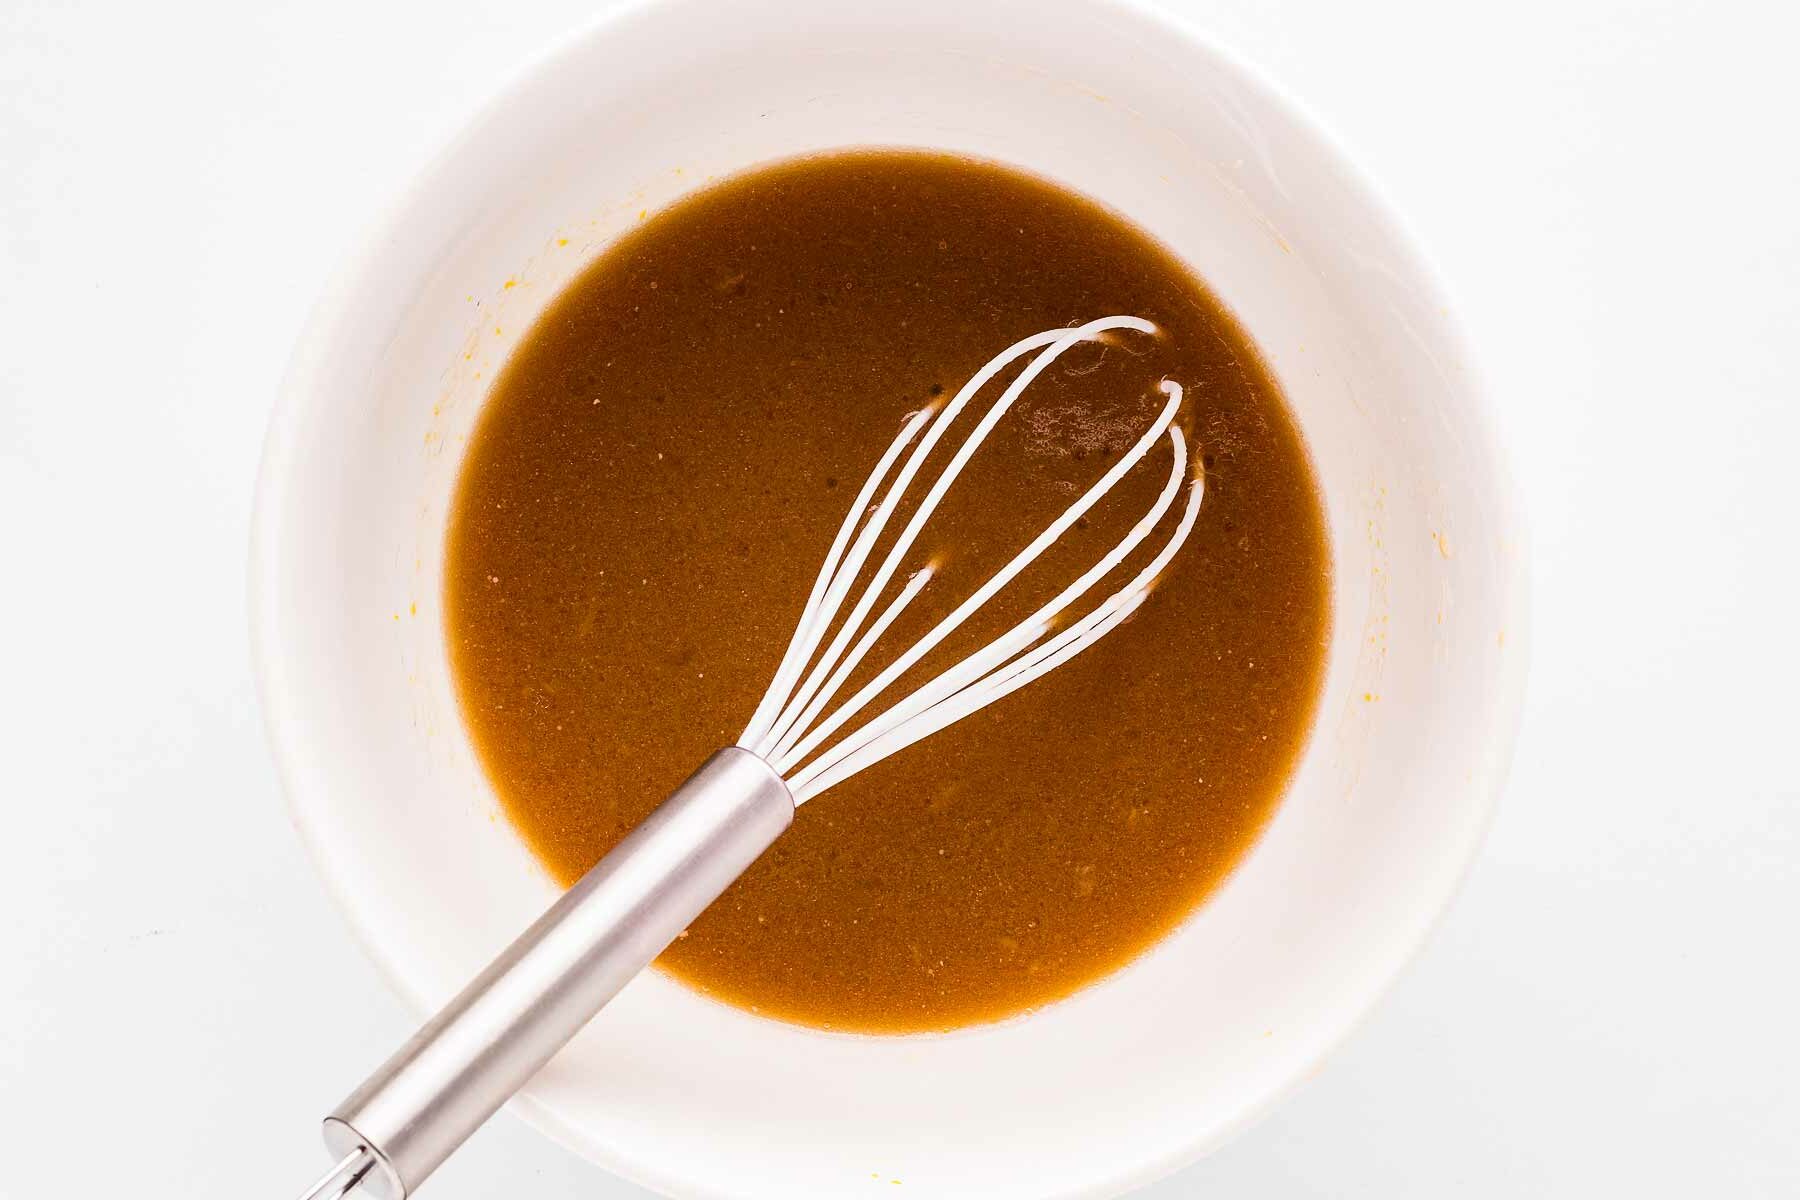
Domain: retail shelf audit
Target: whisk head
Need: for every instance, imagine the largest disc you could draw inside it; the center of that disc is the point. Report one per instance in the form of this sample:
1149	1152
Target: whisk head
796	728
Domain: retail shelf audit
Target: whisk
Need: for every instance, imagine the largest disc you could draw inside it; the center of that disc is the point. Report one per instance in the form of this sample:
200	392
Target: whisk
464	1063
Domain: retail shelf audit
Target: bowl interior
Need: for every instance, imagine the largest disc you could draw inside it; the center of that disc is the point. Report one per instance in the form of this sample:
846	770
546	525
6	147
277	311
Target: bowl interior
1161	1061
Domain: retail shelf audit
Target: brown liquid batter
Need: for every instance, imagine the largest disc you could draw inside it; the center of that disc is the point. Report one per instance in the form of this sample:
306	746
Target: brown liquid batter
661	468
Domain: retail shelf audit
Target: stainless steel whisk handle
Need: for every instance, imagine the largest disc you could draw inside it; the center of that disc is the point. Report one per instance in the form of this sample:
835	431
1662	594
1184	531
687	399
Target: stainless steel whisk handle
465	1062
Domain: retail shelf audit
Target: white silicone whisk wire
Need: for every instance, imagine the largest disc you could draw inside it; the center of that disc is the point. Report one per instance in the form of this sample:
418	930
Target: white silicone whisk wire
787	729
799	709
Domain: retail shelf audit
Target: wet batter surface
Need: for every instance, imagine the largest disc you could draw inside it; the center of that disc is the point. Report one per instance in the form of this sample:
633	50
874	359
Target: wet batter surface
661	468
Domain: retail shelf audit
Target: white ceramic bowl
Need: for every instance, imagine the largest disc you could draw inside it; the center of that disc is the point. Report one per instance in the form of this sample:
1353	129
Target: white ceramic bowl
1155	1065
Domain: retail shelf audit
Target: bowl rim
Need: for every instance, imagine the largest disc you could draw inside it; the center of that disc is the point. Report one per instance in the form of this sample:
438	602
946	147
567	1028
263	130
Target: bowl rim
295	399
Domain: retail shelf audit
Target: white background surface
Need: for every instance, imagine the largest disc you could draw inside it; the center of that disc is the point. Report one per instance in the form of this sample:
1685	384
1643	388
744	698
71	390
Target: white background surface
1612	189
